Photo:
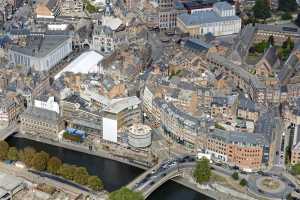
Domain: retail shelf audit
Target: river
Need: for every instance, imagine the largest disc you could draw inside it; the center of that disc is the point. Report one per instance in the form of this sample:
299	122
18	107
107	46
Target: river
113	174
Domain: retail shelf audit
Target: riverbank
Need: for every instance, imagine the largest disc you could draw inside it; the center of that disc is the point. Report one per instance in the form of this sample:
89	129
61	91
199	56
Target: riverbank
83	149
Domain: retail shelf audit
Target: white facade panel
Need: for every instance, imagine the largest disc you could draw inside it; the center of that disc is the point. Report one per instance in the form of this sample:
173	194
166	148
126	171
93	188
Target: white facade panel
110	130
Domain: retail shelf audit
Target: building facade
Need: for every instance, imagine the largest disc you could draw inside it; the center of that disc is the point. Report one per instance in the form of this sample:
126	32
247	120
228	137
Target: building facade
103	39
78	114
40	52
166	15
221	20
119	115
41	121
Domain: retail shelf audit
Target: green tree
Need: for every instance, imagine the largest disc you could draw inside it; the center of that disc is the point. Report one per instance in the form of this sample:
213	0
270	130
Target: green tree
271	40
3	149
29	153
288	5
81	176
21	155
261	9
39	161
12	154
296	169
235	175
297	21
202	171
261	46
53	165
243	182
286	16
67	171
95	183
125	194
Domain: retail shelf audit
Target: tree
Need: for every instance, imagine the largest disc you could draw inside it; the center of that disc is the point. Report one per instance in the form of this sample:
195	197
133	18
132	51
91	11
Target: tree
288	5
271	40
53	165
297	21
261	9
12	154
243	182
202	172
296	169
235	175
261	46
67	171
21	155
29	153
125	194
81	176
3	149
286	16
39	161
95	183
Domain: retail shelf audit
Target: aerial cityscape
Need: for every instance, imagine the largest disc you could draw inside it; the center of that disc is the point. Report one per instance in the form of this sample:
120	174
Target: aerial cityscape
150	100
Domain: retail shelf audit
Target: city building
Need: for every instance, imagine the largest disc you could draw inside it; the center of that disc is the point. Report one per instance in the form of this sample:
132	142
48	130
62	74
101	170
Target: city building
180	126
103	39
77	113
247	109
244	150
295	154
119	115
9	111
166	15
71	7
219	21
224	107
40	121
47	103
139	136
40	51
48	9
10	185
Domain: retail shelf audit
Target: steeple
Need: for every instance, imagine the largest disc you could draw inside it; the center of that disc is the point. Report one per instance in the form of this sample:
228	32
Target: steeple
108	8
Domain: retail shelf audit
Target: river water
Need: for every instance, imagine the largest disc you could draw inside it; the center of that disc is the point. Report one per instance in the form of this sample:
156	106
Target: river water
113	174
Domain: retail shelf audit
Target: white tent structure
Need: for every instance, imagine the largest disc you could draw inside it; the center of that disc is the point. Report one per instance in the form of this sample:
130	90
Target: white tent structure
85	63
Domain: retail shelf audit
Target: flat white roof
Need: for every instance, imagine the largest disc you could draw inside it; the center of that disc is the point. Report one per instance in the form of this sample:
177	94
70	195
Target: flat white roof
8	182
117	105
86	63
111	22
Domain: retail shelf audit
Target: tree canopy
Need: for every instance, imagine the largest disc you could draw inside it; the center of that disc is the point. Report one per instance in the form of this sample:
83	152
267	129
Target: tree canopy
235	175
288	5
202	171
297	21
125	194
261	10
40	160
12	154
4	147
53	165
95	183
296	169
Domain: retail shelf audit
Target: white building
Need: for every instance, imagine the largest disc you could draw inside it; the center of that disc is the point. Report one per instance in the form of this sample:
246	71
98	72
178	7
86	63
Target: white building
219	21
121	113
103	39
139	136
47	103
41	51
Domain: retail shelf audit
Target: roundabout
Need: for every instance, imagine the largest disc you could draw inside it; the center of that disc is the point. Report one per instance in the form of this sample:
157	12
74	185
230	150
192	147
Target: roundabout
269	186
